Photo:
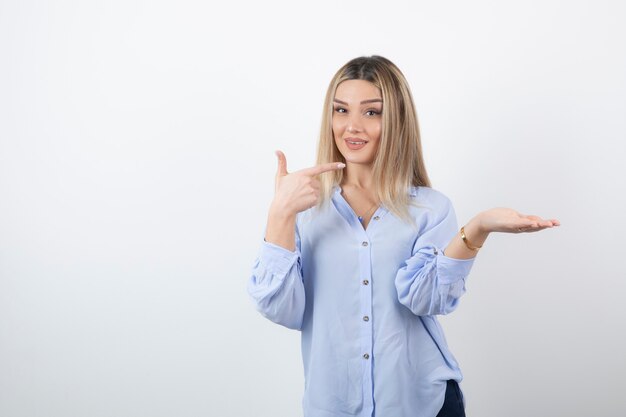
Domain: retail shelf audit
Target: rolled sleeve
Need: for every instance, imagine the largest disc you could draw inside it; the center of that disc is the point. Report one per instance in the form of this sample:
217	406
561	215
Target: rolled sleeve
275	284
277	258
451	270
429	282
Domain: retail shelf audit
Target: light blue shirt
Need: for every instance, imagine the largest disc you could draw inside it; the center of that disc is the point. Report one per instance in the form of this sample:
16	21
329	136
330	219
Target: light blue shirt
365	302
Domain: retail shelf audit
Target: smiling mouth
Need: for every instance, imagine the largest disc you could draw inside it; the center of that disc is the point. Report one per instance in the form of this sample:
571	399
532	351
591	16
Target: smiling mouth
355	145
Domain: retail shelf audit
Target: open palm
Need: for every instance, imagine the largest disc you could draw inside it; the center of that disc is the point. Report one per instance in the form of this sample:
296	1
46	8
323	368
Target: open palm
502	219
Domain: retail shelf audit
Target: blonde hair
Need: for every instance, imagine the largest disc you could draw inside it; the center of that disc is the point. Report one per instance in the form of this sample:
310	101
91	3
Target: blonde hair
398	163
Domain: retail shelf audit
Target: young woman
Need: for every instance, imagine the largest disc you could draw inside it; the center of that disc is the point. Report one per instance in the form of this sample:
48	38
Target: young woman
360	254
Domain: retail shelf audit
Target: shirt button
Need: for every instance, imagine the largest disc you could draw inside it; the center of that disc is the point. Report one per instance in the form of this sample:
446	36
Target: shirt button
365	318
365	282
364	243
376	217
366	356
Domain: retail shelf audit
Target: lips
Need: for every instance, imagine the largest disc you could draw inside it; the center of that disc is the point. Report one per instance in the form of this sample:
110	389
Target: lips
358	141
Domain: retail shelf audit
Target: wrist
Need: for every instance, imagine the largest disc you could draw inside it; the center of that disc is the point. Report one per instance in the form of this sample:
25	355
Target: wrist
475	233
478	225
281	212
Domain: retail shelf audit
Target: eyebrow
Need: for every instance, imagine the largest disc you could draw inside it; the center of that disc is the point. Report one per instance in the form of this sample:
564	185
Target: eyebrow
372	100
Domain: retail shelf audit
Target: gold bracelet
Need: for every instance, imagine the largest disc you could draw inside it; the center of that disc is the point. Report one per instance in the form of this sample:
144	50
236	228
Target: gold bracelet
466	241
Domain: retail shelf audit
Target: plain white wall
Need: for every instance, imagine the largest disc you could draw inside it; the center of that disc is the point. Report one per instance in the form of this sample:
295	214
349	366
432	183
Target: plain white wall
137	164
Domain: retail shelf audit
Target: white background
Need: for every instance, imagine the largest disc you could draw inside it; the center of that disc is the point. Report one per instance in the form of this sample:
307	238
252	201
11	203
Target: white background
137	164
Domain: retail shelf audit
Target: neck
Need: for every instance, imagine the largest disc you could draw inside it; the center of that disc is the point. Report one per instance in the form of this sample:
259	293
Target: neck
357	176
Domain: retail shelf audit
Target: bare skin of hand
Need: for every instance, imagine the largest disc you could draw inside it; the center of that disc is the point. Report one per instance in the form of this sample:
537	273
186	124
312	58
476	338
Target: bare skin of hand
297	191
293	192
499	219
502	219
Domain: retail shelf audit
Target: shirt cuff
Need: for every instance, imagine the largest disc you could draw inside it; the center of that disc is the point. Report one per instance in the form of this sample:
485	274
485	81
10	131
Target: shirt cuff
450	270
277	258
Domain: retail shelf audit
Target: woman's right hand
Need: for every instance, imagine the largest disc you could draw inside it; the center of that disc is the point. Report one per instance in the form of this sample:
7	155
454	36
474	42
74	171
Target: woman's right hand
297	191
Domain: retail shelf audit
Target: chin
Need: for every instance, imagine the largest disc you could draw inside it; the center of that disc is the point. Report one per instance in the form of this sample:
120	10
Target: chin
359	160
355	157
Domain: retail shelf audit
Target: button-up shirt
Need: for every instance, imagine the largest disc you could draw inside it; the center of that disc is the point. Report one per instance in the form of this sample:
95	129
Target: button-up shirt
366	302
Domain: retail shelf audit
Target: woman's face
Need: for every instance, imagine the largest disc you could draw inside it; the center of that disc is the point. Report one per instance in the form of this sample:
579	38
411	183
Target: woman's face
357	117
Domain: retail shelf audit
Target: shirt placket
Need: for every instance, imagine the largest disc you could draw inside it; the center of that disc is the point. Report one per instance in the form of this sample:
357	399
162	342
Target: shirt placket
366	316
366	338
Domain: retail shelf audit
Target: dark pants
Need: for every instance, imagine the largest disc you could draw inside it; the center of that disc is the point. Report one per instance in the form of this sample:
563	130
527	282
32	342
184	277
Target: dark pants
453	404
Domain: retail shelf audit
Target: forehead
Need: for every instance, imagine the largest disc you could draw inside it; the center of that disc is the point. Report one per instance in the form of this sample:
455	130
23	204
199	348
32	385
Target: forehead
357	90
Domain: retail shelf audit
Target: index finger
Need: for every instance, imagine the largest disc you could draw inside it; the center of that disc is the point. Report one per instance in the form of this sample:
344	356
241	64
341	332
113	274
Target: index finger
318	169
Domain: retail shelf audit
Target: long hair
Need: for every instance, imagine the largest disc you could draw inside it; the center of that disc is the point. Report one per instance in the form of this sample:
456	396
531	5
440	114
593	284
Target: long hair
398	163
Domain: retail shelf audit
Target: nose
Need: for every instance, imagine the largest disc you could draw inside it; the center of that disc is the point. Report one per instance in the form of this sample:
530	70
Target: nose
354	123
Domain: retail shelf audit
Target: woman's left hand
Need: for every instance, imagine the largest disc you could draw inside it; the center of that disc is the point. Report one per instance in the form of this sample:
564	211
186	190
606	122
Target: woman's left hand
501	219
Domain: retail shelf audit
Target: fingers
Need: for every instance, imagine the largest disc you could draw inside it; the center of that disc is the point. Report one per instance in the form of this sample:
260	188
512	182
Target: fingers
318	169
315	184
536	226
282	164
532	229
533	217
540	222
550	222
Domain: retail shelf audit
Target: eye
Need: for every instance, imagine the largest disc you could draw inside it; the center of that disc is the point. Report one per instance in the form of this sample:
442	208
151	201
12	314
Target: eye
375	112
339	110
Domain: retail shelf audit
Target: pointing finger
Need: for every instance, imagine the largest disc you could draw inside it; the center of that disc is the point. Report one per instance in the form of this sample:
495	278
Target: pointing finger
318	169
